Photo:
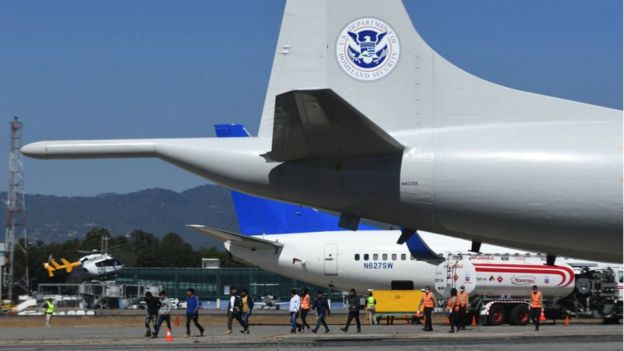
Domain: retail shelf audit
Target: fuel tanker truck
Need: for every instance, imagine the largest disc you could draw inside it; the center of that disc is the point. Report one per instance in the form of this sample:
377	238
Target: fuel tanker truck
498	286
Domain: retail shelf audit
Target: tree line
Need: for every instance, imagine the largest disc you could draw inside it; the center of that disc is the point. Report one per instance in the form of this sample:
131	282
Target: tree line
135	249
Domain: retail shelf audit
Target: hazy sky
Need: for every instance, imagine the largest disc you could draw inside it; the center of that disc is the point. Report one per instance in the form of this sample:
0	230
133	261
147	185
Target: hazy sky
143	69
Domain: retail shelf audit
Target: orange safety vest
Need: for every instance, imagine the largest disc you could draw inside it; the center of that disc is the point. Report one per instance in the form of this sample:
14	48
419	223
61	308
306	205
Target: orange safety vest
463	299
305	302
428	300
536	299
453	304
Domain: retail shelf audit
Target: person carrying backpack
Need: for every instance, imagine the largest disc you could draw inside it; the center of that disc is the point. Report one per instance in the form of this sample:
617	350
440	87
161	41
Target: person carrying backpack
152	305
235	310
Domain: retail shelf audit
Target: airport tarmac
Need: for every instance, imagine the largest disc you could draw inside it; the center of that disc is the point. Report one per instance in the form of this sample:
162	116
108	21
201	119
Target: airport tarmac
384	337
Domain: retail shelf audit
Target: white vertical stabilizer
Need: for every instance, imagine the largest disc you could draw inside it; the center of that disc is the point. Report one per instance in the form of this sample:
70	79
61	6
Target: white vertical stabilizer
420	90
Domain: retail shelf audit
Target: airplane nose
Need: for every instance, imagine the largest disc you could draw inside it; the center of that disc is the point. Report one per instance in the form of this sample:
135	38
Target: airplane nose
36	150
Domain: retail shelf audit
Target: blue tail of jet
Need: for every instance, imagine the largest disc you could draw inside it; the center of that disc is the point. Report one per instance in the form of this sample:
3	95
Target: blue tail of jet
261	216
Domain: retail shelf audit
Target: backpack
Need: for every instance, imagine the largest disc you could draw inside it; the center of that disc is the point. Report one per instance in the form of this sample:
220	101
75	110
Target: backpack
238	303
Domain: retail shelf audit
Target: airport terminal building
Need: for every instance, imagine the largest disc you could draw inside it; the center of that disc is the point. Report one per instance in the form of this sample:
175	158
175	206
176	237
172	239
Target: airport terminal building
216	282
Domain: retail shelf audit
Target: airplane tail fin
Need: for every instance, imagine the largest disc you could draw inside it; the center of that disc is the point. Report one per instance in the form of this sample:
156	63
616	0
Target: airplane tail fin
260	216
370	54
366	51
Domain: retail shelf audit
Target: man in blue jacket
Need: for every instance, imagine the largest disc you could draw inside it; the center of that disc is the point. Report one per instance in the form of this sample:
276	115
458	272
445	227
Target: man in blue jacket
322	309
192	312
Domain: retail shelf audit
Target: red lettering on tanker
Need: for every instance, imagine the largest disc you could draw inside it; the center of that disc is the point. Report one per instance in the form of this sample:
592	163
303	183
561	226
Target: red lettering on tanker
523	280
566	273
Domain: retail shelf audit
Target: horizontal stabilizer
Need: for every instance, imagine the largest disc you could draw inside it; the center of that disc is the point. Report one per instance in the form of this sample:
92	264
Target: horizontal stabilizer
50	269
240	240
321	124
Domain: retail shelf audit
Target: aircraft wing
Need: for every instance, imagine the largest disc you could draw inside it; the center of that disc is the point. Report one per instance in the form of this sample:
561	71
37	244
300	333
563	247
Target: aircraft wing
321	124
240	240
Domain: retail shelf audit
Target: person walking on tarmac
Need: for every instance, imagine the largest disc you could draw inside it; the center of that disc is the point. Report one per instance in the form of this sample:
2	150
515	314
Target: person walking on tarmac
463	307
153	304
192	312
322	309
370	307
305	309
235	310
536	306
248	305
453	308
294	307
429	302
163	314
49	311
354	311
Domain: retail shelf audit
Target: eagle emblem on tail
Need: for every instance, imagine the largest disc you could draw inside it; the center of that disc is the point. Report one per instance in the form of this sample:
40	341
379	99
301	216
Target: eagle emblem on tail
367	48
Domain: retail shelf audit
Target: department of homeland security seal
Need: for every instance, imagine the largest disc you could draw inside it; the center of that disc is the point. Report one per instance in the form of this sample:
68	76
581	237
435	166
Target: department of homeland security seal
367	49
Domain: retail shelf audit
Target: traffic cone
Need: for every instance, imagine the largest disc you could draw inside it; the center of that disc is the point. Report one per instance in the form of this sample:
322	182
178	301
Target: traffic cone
566	320
176	321
474	321
542	317
169	337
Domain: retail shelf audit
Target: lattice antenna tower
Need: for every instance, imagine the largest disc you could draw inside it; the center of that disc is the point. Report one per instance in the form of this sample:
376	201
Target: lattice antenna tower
15	234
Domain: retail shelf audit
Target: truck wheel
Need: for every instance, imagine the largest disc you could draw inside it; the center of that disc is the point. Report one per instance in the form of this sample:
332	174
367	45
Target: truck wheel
611	320
496	315
520	315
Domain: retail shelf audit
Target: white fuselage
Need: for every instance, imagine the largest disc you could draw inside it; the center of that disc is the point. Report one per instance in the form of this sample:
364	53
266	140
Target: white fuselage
344	260
372	260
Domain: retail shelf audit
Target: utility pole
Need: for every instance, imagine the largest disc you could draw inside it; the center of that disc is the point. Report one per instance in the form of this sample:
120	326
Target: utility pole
15	233
104	244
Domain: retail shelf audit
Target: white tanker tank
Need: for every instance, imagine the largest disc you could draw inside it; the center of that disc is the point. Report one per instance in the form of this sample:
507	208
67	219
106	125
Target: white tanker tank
504	277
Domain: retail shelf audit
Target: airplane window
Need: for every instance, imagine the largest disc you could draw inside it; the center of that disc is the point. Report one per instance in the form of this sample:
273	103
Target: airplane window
394	257
375	257
357	257
384	257
412	258
403	257
365	257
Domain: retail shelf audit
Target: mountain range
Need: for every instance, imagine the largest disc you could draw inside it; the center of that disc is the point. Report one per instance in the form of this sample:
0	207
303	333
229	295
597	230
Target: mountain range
158	211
